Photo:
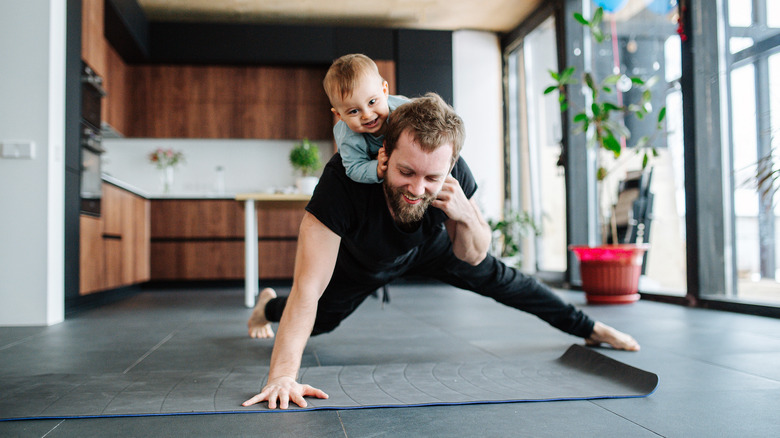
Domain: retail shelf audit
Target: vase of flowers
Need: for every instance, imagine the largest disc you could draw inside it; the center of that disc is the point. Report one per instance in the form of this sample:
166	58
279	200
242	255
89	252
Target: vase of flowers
166	161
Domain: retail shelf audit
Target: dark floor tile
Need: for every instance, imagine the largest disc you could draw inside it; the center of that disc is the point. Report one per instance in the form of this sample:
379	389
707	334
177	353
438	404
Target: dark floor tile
31	429
718	370
706	412
556	419
11	336
291	424
760	364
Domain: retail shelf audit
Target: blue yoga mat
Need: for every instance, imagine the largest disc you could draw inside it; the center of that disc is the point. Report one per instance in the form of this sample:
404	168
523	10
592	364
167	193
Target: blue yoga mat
579	374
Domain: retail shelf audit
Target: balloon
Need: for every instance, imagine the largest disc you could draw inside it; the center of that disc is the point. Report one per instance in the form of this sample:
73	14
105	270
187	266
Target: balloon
660	7
611	5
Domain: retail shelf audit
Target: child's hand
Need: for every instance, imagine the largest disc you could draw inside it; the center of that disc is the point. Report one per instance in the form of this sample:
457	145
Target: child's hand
381	163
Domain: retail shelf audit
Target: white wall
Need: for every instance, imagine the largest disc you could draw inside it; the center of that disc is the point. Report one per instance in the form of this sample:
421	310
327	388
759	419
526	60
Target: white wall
249	165
32	50
478	100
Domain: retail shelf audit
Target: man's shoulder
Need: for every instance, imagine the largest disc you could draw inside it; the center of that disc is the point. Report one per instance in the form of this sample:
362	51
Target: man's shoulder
334	179
334	167
339	202
462	173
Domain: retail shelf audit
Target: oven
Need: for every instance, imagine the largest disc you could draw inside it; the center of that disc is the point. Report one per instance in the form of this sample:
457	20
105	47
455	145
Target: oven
90	139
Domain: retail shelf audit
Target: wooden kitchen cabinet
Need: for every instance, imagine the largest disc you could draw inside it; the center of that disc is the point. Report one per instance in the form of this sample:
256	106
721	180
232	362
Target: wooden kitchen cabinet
93	43
106	62
203	101
114	248
197	219
92	255
258	102
135	239
204	239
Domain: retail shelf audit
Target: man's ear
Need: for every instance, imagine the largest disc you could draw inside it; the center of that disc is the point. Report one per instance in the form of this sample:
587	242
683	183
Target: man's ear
336	113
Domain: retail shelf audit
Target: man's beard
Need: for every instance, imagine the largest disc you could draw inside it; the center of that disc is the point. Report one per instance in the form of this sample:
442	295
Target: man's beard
407	216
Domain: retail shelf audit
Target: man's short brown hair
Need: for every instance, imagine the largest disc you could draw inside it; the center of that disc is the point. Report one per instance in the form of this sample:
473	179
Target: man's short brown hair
432	123
345	72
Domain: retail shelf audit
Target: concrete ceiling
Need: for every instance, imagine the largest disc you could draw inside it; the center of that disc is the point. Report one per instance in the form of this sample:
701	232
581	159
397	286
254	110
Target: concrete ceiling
490	15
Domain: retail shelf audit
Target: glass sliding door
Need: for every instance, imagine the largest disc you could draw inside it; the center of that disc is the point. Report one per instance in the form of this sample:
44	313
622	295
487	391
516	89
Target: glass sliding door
536	182
641	39
752	57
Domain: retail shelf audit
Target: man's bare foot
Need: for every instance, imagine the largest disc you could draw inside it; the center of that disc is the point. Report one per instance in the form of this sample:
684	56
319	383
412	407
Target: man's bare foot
259	327
603	333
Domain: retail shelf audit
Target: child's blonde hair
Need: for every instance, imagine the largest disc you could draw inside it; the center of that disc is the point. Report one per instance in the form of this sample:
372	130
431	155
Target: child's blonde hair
345	73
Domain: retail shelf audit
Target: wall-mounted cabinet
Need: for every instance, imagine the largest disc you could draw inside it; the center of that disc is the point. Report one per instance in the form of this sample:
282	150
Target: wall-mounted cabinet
204	101
204	239
107	63
228	102
211	80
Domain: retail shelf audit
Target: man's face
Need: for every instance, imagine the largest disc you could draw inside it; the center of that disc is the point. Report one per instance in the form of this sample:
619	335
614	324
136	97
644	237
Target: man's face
365	110
414	178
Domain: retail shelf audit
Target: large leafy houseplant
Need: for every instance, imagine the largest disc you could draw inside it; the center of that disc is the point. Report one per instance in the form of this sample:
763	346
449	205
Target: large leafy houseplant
602	120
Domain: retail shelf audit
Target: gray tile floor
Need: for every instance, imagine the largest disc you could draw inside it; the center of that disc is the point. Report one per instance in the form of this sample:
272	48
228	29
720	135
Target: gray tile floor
719	372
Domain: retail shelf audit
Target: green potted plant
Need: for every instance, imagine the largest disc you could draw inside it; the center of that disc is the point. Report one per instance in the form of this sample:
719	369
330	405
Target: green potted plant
508	234
305	158
610	273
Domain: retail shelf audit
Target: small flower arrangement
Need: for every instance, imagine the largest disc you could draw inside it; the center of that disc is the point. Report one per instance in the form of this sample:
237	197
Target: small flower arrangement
163	158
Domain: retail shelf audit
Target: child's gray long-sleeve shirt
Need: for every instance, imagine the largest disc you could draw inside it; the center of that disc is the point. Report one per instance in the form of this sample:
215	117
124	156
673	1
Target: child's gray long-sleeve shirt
358	151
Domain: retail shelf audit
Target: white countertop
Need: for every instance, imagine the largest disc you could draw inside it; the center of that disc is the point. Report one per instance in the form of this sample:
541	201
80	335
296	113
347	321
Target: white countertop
176	195
275	195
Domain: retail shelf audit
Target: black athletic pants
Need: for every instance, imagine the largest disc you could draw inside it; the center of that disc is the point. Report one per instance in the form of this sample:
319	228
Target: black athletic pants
349	286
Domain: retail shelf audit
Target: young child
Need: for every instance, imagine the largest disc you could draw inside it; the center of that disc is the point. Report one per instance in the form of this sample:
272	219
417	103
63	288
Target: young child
361	103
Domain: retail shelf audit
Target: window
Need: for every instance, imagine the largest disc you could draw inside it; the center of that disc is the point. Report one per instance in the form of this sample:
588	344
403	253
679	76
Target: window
752	59
536	181
641	40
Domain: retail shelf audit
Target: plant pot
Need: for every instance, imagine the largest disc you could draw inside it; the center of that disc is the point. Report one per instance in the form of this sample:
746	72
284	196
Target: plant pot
307	184
610	273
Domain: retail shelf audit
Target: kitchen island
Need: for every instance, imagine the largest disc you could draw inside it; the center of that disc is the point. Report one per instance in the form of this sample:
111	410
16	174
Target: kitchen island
251	249
142	237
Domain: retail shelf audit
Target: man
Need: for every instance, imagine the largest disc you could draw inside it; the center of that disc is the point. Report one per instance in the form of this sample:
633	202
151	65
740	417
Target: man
357	237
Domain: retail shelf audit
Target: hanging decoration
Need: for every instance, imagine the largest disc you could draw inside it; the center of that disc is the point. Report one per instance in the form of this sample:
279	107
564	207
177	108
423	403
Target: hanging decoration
661	7
611	5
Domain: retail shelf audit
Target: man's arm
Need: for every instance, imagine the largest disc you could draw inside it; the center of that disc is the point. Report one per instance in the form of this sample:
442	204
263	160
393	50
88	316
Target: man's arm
468	230
314	263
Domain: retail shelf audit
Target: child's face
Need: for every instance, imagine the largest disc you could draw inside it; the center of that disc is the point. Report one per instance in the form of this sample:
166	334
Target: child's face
366	110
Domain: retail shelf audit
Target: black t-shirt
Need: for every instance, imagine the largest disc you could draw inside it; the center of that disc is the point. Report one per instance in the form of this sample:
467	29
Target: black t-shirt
358	213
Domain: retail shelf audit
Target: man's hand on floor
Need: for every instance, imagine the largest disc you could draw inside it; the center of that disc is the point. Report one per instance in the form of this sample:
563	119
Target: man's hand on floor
285	390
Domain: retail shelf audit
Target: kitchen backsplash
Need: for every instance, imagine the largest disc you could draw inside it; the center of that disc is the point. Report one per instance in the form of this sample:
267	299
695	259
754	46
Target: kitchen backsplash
249	165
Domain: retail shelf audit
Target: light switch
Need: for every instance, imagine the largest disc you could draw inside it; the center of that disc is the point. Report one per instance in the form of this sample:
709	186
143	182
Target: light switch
24	149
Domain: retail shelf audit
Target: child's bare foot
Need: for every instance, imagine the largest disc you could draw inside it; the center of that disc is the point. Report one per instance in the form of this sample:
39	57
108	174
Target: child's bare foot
259	327
603	333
